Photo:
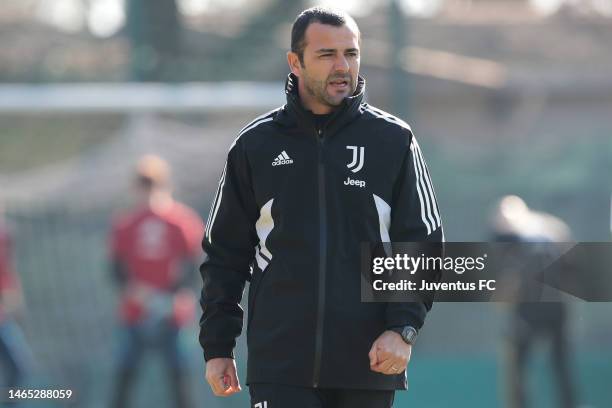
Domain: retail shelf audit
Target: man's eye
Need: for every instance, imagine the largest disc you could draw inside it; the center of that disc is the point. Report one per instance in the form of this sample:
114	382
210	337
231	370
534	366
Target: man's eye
325	55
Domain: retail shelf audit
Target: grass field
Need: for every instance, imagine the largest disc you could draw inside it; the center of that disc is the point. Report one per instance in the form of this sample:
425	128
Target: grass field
477	381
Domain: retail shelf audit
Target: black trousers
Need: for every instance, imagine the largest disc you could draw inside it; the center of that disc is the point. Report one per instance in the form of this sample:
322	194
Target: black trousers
288	396
546	321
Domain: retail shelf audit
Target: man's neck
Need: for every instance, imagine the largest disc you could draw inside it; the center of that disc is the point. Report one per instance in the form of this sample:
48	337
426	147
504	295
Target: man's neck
158	201
316	108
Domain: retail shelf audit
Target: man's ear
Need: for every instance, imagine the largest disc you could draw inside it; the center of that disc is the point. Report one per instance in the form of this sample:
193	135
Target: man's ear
294	63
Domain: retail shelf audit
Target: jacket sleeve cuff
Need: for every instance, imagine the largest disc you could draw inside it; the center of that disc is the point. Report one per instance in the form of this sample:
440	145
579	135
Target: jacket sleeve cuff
218	351
401	318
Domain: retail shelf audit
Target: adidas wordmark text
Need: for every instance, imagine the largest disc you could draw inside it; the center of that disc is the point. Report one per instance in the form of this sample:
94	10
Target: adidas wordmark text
281	159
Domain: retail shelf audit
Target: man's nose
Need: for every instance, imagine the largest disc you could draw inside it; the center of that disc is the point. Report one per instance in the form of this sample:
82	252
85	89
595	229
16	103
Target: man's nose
341	64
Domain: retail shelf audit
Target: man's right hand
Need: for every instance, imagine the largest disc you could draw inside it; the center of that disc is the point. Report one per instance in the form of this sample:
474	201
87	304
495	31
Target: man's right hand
222	377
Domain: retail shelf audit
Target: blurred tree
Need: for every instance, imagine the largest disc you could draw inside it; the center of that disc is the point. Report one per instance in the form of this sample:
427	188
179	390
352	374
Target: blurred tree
154	29
399	83
259	39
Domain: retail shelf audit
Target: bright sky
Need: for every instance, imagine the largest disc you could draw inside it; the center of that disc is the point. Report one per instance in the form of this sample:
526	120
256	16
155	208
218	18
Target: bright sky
105	17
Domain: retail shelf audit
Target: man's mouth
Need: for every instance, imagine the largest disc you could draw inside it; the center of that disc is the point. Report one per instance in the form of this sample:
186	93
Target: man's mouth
339	84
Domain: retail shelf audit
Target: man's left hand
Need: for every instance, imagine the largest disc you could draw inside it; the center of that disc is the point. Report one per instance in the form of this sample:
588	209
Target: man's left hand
389	354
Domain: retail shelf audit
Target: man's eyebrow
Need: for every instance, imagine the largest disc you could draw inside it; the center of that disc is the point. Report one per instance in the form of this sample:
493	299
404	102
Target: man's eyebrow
327	50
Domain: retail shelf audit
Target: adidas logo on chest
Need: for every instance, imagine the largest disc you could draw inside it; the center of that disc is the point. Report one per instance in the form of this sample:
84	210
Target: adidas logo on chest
282	159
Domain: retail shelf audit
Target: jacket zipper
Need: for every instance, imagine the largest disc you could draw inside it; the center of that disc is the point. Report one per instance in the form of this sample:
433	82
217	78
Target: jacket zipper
322	263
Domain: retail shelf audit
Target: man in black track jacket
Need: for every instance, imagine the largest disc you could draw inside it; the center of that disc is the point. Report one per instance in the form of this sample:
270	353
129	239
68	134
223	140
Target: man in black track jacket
302	188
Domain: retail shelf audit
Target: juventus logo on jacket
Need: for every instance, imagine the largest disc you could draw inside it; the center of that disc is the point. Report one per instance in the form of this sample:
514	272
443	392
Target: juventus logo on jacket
358	155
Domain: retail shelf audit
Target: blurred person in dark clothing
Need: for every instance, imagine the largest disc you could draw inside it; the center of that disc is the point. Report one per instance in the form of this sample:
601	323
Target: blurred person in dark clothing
514	221
154	250
15	357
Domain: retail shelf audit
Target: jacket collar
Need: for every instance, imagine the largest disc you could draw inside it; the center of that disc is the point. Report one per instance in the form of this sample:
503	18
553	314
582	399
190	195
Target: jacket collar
294	114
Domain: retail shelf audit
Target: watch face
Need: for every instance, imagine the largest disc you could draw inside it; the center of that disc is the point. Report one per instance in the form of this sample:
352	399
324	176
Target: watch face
409	334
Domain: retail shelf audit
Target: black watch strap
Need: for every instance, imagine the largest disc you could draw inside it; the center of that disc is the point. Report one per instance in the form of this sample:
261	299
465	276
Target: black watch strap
409	334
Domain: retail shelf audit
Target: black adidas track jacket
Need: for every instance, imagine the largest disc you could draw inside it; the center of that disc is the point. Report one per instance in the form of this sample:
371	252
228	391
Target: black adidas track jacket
292	208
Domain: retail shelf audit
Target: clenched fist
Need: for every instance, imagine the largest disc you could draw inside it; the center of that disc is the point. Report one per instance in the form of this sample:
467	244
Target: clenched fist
389	354
222	376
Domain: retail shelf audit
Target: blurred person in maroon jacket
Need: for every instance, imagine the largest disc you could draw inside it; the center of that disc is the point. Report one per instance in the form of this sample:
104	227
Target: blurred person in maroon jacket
154	250
14	352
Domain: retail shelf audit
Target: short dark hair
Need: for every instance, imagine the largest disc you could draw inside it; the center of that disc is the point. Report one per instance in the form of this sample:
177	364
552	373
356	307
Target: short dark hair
319	14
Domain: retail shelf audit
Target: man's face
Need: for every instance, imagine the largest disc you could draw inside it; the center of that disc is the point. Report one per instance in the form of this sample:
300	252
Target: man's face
331	66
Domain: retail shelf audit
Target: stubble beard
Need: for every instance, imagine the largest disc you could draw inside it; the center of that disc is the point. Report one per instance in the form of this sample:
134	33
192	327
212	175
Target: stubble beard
318	90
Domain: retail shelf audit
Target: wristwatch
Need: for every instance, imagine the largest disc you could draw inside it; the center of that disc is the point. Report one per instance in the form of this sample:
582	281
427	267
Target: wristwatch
409	334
